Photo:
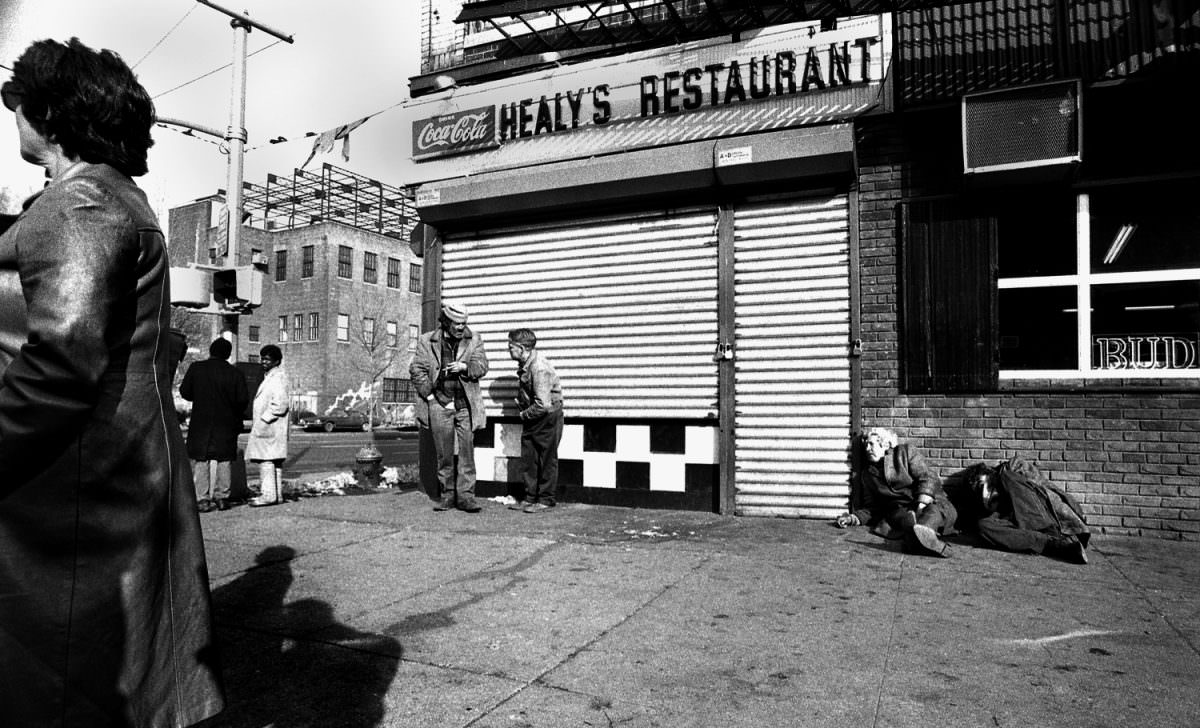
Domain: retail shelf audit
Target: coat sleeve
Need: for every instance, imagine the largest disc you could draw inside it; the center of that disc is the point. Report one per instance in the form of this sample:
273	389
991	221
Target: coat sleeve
185	387
277	405
924	480
477	361
77	266
420	371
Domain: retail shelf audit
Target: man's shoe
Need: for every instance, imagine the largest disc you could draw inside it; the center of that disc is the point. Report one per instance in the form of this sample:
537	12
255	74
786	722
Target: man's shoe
222	504
929	541
470	505
206	506
535	507
261	501
444	504
1068	549
518	506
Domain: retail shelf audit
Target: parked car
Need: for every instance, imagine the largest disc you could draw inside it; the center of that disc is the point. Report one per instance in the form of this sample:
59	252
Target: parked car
406	417
337	419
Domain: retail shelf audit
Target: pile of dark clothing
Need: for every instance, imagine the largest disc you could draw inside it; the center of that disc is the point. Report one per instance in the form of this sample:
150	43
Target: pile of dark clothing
1013	507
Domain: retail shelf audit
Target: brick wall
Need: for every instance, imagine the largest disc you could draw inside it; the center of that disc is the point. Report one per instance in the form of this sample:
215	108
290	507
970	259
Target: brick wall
1128	450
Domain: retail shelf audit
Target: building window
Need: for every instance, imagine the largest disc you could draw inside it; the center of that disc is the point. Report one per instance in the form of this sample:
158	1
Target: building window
393	273
314	326
343	327
1130	262
368	332
282	329
414	277
393	334
281	265
345	262
397	390
252	334
306	261
413	334
298	327
1124	256
370	268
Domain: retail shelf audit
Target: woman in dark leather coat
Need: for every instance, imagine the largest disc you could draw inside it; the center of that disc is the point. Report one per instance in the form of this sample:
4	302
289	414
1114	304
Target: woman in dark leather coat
104	601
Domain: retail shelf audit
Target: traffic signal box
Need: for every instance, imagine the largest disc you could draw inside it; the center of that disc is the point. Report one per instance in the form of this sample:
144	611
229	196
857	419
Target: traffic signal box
206	289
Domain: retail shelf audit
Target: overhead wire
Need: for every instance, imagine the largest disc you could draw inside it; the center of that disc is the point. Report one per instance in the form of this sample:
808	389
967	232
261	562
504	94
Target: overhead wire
165	36
214	71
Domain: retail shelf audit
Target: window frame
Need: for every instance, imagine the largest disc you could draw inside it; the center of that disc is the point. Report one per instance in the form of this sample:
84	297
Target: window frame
343	327
393	272
345	262
314	326
281	265
415	283
307	261
370	267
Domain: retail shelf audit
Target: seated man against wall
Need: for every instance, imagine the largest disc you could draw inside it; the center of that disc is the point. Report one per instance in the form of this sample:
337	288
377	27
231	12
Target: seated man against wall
897	492
1013	507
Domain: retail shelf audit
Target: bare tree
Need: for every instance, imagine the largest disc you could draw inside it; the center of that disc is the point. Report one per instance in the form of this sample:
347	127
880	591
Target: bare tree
377	349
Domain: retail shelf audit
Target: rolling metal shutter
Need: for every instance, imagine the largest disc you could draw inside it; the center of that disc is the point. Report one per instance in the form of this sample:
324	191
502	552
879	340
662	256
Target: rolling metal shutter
625	308
792	330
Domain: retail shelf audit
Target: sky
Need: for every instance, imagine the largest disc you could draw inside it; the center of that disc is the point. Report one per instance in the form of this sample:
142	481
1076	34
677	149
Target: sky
349	59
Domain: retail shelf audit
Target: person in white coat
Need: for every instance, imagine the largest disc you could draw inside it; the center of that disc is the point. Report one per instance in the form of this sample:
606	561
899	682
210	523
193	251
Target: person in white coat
268	441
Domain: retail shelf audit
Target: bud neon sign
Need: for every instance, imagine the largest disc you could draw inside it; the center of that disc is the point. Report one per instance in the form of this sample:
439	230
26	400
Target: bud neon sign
1147	352
457	133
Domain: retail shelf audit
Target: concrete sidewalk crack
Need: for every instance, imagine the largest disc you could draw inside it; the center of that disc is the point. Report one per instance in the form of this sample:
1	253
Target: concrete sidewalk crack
666	588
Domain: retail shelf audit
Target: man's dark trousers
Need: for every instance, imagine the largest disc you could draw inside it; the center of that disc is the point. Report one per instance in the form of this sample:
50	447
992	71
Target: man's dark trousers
539	452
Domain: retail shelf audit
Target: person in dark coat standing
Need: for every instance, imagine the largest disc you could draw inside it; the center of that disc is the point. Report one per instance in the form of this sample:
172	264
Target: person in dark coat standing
217	391
105	611
896	492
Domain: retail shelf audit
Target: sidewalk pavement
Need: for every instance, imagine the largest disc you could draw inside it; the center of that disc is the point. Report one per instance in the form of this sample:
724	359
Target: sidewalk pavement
375	610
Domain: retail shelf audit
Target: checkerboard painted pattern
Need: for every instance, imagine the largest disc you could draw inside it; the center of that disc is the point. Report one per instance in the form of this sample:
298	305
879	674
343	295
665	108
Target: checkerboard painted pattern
667	458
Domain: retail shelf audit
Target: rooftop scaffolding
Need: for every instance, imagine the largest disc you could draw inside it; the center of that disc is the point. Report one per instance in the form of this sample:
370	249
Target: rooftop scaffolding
331	195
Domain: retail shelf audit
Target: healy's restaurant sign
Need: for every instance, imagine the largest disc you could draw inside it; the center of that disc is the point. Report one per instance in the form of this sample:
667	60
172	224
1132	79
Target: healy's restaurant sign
678	91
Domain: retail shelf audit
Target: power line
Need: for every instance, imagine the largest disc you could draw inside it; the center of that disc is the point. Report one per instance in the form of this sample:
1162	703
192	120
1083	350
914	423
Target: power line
165	36
215	70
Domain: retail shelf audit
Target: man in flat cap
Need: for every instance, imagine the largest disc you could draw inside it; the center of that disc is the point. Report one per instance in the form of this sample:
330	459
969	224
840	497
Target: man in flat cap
445	371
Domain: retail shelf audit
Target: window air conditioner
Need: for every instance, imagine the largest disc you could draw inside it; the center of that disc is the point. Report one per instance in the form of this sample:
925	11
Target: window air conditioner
1021	128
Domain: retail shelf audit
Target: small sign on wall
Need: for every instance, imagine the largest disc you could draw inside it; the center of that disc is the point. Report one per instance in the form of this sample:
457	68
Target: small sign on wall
735	155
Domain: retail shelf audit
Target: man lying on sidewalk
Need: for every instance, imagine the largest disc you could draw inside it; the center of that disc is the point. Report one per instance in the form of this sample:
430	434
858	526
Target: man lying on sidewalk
896	492
1013	507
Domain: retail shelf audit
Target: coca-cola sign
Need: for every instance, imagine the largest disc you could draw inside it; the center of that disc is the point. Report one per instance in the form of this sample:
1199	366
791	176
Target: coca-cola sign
462	131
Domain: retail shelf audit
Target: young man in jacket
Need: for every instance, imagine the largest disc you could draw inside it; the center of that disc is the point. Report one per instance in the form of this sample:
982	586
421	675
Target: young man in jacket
445	371
540	400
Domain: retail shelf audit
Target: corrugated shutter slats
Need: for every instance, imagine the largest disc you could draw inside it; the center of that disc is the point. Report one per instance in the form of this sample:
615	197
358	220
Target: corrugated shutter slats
792	400
623	306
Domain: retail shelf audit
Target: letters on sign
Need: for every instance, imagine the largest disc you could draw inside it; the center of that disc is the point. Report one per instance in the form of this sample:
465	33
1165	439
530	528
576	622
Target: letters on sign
462	131
1163	351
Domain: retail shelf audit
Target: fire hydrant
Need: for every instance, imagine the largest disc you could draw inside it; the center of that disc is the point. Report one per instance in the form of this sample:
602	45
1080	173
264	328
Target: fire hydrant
368	467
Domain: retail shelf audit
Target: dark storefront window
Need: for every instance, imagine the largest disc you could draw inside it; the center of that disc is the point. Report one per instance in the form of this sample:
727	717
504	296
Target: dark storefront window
1127	256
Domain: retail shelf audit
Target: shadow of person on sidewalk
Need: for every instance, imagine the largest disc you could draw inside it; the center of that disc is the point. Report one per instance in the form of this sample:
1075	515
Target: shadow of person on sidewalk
292	665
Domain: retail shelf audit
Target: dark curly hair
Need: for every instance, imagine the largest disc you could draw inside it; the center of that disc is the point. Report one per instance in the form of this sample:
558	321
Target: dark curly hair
87	101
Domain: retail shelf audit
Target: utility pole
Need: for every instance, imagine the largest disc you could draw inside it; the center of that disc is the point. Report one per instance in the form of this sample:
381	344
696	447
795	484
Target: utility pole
236	138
